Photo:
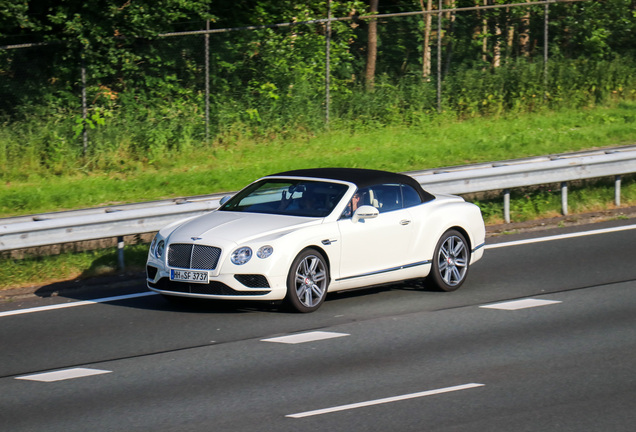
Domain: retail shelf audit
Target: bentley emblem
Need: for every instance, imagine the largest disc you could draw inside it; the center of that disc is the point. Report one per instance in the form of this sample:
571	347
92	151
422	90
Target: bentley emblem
196	238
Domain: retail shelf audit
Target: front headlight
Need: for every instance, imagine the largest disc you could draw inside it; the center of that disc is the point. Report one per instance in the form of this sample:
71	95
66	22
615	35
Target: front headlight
161	247
241	255
264	251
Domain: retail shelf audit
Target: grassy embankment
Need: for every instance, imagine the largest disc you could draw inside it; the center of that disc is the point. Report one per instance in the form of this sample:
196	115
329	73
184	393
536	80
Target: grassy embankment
191	170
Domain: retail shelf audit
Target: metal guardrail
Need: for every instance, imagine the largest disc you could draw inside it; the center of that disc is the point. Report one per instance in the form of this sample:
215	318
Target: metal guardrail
118	221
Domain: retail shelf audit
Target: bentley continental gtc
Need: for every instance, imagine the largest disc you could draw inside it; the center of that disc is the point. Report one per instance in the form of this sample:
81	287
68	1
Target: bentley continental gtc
297	235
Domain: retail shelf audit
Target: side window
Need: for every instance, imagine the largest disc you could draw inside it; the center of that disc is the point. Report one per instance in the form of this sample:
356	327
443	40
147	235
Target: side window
384	197
387	197
410	196
360	198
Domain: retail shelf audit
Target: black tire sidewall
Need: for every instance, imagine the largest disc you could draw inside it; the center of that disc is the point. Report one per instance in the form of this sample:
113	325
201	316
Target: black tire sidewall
292	299
435	276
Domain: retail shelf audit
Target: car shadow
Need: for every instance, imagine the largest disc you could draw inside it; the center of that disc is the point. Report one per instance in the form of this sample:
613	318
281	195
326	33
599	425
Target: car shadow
121	289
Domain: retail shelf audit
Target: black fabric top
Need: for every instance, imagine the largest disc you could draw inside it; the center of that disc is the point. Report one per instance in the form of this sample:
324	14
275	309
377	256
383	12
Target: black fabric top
361	177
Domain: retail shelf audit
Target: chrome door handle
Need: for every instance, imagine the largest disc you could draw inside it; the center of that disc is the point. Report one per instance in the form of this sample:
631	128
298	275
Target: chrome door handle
405	222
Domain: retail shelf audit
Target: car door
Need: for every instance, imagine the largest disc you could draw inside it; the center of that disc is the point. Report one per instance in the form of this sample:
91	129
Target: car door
380	244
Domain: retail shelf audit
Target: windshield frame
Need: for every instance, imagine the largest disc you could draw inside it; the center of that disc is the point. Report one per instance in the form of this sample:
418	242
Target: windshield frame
292	197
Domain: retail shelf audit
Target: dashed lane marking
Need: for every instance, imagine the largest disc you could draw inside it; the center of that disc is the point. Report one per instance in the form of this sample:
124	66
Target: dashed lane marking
520	304
305	337
62	375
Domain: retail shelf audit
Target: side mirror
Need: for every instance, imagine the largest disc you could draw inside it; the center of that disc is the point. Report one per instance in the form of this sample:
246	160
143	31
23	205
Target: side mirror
225	199
365	212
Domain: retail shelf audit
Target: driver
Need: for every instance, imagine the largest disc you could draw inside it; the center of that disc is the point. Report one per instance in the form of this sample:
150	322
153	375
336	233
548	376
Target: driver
353	205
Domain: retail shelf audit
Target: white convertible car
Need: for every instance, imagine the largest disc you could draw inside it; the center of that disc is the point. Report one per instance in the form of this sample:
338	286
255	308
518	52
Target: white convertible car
297	235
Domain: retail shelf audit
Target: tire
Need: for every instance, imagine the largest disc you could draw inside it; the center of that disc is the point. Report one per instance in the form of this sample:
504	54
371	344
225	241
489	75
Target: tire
450	261
307	281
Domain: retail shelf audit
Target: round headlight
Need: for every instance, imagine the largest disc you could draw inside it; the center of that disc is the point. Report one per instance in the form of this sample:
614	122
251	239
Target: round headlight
161	247
264	251
241	255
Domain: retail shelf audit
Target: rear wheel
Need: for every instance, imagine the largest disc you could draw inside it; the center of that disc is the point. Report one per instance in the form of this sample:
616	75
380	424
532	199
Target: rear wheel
307	281
450	261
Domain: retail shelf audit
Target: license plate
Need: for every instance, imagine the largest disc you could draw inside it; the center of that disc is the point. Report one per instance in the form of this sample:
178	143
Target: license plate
189	276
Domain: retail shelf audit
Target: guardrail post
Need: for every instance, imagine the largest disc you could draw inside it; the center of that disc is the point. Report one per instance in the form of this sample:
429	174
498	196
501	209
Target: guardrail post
617	191
120	253
564	198
507	205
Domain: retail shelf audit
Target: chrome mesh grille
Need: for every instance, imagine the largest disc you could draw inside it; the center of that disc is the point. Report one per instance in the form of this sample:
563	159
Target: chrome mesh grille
205	257
193	256
179	255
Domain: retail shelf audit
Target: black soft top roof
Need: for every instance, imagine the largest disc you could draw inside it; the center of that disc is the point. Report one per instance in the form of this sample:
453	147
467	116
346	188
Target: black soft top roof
361	177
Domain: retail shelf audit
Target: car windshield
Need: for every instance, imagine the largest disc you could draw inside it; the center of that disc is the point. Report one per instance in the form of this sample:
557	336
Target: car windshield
288	197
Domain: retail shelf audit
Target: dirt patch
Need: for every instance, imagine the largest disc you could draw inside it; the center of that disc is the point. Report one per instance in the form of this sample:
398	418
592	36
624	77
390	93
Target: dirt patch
560	222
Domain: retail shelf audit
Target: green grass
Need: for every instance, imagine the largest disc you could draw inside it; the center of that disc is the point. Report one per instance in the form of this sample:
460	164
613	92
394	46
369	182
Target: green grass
34	271
224	166
200	169
545	201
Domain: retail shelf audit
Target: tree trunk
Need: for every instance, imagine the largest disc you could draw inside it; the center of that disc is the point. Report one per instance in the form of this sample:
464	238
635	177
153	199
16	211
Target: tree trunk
510	36
426	47
496	55
449	4
372	48
484	35
524	34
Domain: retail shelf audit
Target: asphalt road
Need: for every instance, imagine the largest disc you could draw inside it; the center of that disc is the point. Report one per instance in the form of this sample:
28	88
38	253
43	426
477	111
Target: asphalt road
542	337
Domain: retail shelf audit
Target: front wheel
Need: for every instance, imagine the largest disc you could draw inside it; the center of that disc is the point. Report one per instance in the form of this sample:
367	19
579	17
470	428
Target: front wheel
307	281
450	261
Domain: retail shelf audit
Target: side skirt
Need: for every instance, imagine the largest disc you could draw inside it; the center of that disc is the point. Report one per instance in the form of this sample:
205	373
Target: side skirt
377	272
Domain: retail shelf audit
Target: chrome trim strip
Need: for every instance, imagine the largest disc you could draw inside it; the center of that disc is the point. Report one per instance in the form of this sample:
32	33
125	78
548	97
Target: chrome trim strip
387	270
479	246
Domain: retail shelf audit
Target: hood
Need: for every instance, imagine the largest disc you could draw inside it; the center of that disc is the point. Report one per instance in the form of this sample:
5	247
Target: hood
236	227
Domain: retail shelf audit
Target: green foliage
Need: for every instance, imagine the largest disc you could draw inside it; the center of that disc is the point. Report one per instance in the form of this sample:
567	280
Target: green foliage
40	270
545	201
132	159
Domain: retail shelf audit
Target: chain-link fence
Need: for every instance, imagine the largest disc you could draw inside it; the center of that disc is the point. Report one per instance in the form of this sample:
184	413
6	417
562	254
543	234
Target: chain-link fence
305	69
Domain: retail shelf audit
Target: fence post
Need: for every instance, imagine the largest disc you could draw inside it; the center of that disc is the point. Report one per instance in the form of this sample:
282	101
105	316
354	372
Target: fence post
207	83
120	253
507	205
617	190
84	105
328	63
545	49
439	56
564	198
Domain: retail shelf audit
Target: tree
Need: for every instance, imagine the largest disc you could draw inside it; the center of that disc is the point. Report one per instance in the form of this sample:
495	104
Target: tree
372	47
426	44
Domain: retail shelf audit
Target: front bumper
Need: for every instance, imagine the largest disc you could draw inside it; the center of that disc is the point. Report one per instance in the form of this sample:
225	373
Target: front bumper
222	286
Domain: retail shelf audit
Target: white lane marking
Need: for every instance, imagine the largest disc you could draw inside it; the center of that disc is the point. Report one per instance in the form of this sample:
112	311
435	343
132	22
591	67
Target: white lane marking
384	401
63	375
74	304
520	304
561	237
491	246
305	337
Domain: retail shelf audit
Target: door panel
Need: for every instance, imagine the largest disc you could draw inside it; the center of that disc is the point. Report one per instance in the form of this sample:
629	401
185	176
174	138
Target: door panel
374	245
